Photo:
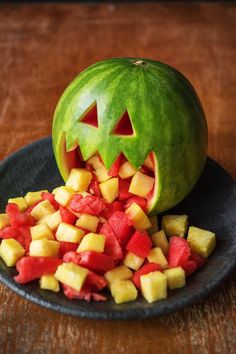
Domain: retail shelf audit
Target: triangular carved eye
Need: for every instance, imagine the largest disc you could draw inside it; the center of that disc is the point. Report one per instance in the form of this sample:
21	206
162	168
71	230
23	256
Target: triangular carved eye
91	116
124	126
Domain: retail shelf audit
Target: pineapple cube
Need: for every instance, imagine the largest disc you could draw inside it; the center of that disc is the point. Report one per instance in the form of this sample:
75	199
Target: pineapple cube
175	225
154	286
124	291
102	174
201	241
72	275
49	282
138	218
11	251
4	220
33	197
133	261
127	170
148	162
157	256
92	242
64	194
44	248
20	201
41	231
175	277
159	240
154	222
95	162
79	179
110	189
53	220
42	209
69	233
118	273
88	222
141	184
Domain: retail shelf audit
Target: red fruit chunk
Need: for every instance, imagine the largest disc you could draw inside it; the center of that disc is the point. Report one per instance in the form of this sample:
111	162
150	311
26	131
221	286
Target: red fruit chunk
138	200
114	206
90	204
67	247
72	256
98	297
84	294
94	261
88	167
178	253
26	235
200	262
93	187
115	168
140	244
50	197
190	267
124	190
147	171
95	282
147	268
12	232
17	218
31	268
67	216
112	246
120	225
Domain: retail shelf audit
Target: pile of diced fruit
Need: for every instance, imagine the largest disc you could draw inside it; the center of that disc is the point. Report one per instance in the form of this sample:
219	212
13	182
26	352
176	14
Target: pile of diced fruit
94	233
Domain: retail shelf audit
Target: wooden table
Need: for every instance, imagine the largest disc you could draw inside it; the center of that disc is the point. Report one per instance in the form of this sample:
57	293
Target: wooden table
42	47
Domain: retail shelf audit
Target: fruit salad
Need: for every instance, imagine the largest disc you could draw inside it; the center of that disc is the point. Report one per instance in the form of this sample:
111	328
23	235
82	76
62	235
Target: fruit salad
93	235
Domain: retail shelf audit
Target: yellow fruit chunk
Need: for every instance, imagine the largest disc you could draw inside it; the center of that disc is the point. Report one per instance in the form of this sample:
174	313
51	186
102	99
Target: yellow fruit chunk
127	170
79	179
84	194
154	227
124	291
95	162
64	195
141	184
53	220
71	275
118	273
4	221
44	248
175	225
11	251
157	256
20	201
201	241
92	242
41	231
159	240
33	197
42	209
133	261
175	277
110	189
148	163
138	218
102	174
154	286
88	222
49	282
69	233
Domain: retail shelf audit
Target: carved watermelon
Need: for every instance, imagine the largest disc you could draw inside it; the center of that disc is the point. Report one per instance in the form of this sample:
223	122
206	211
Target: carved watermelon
134	106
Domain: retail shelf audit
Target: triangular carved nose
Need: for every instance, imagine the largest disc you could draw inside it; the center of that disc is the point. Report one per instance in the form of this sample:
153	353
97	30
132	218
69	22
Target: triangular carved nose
124	126
91	116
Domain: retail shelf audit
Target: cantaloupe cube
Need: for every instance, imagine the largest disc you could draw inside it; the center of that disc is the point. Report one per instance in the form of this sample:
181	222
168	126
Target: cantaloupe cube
148	163
49	282
141	184
4	220
175	277
79	179
159	240
92	242
42	209
33	197
88	222
127	170
64	195
41	231
154	286
157	256
133	261
110	189
201	241
72	275
20	201
11	251
52	220
69	233
119	273
175	225
124	291
44	248
154	227
137	217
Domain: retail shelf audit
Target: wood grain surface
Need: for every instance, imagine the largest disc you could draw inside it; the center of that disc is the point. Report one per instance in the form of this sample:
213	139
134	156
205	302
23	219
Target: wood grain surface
42	47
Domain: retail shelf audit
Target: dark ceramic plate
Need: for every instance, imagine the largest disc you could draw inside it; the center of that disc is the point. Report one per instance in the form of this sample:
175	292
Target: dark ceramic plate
210	205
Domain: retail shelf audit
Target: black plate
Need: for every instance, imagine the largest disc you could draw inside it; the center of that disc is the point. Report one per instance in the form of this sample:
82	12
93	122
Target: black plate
210	205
